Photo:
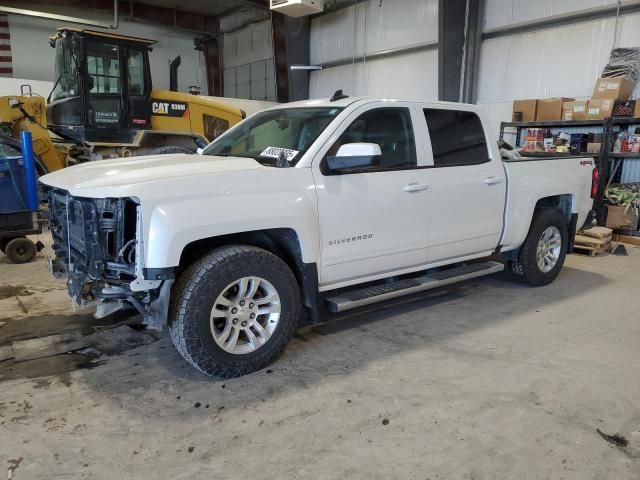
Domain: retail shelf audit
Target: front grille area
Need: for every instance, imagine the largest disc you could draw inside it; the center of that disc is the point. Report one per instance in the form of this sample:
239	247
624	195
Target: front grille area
94	238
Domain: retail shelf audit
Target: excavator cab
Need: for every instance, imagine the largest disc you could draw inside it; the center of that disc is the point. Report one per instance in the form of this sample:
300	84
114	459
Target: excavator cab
102	86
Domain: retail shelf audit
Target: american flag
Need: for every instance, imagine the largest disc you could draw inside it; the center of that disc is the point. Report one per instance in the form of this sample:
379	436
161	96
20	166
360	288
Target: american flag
6	62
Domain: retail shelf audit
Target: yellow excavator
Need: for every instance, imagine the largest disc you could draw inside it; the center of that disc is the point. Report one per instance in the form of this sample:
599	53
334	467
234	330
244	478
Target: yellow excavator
103	105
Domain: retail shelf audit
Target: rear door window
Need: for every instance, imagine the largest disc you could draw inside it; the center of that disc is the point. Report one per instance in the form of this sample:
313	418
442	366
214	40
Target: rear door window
457	137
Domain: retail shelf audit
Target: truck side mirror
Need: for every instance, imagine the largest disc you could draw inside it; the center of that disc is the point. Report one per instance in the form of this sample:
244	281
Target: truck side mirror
354	158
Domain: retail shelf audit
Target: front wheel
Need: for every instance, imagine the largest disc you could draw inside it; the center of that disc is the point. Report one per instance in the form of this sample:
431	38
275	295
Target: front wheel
233	311
543	253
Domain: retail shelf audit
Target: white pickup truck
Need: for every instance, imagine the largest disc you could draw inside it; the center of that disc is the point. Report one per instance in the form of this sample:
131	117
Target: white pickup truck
321	205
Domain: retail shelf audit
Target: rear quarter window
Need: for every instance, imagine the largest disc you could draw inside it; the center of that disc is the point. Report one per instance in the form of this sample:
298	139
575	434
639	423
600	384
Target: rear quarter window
457	137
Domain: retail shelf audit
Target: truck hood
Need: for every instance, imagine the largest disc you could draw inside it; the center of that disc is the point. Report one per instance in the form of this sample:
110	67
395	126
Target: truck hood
106	177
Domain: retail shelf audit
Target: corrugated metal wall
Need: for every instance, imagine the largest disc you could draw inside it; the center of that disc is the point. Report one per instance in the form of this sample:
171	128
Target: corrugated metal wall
630	171
247	59
373	27
561	61
500	13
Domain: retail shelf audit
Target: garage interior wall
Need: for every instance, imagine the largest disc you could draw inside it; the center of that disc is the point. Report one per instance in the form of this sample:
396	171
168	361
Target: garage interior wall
560	61
372	27
247	60
33	59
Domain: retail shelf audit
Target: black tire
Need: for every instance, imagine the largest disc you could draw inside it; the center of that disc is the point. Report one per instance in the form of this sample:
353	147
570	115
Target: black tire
193	297
20	250
171	149
526	266
4	241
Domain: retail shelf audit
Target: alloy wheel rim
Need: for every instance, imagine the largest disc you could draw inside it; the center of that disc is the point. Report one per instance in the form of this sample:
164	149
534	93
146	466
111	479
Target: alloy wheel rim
245	315
548	250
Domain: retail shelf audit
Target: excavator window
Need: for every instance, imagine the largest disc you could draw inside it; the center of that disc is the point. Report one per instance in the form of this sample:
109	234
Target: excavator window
135	72
103	67
214	126
66	72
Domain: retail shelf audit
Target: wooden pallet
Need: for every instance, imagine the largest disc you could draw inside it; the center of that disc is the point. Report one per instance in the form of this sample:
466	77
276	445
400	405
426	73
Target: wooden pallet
590	251
627	239
593	242
601	233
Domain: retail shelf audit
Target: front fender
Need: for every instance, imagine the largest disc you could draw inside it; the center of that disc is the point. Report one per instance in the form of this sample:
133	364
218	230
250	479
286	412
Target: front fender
171	226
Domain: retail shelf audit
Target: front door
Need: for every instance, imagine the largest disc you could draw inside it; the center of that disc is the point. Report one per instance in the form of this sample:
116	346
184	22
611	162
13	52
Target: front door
468	187
373	222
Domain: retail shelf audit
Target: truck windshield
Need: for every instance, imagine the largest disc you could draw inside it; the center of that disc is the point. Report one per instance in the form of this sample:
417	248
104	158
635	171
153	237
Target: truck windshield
275	134
66	76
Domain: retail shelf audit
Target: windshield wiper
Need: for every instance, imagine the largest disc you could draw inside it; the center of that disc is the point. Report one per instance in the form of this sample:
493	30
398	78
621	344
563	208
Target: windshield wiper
282	160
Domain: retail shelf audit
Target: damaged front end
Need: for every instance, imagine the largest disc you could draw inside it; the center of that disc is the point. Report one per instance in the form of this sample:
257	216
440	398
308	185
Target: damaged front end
98	246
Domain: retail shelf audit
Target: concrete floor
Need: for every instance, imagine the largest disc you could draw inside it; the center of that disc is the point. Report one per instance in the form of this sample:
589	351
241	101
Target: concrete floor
488	380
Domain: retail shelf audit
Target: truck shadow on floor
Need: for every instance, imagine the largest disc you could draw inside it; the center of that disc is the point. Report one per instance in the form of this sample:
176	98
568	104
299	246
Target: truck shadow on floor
346	345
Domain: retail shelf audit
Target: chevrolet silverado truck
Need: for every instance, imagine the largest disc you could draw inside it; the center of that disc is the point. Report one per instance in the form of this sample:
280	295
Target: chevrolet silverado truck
304	210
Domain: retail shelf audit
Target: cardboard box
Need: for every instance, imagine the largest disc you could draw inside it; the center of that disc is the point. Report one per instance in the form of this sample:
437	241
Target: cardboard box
637	110
550	109
599	109
528	108
617	218
574	110
614	88
594	147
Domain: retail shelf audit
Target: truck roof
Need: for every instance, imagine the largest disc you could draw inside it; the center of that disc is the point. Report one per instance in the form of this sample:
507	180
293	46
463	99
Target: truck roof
344	102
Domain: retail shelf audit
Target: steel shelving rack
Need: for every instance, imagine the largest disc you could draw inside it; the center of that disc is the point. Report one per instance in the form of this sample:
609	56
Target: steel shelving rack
608	162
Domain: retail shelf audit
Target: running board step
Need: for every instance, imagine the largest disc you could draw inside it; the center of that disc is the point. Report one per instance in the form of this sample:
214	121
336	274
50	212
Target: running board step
379	293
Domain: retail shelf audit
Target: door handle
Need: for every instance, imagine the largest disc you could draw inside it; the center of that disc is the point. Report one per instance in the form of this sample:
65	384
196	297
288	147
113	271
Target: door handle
492	180
416	187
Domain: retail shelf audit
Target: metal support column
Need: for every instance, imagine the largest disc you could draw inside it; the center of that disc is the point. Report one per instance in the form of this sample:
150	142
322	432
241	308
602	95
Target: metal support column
298	44
459	34
472	45
213	66
604	160
280	62
291	38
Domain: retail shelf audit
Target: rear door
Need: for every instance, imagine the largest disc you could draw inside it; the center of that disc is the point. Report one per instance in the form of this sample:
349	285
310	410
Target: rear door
374	222
468	186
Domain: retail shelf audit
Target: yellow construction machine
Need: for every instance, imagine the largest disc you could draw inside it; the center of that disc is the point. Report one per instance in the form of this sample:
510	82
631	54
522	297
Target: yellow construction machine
103	105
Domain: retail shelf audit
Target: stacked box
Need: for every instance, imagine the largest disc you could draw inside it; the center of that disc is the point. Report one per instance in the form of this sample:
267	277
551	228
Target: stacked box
550	109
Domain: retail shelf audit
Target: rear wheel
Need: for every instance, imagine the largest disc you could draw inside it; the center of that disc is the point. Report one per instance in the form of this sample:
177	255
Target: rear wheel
20	250
543	253
233	311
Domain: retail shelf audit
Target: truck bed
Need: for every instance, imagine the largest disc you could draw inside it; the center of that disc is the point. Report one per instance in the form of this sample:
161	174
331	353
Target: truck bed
537	177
